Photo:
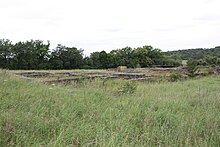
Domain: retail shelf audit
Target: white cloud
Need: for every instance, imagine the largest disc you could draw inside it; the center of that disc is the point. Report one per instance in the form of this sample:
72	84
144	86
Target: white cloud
110	24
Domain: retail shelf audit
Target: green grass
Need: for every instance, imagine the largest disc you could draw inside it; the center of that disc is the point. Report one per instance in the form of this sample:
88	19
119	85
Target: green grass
92	113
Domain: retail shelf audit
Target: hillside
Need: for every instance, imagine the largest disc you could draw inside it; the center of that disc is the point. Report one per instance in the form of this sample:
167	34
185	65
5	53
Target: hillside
194	54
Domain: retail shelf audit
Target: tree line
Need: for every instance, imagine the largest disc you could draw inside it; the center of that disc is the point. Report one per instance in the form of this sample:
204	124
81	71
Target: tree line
35	54
200	56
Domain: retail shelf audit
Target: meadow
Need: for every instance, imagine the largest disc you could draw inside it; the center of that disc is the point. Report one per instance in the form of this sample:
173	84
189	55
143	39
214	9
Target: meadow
106	113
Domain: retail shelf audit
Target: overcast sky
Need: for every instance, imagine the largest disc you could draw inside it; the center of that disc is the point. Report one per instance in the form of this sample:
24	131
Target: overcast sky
96	25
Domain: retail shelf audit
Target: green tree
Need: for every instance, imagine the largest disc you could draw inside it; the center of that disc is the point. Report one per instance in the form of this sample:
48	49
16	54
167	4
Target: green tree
124	57
5	53
30	55
95	62
142	56
66	58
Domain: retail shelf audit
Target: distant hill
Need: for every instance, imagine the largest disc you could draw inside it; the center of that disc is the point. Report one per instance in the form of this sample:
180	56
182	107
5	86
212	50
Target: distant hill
194	54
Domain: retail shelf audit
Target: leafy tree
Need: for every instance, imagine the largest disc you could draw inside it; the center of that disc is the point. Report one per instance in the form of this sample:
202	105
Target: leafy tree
42	53
192	68
5	53
142	55
99	60
123	57
95	60
66	58
212	60
105	60
30	55
87	63
24	57
155	55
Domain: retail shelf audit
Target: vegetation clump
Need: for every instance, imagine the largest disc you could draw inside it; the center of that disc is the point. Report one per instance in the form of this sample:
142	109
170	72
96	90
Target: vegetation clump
174	77
192	68
127	88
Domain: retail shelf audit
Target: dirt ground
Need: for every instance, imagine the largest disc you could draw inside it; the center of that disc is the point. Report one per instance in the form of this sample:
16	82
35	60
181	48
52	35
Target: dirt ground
65	76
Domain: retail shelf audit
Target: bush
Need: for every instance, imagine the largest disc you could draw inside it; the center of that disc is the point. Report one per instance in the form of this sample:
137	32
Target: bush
175	77
192	68
127	88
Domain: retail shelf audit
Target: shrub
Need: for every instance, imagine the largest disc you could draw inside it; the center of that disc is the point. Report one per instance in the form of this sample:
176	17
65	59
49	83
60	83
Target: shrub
127	88
192	68
175	77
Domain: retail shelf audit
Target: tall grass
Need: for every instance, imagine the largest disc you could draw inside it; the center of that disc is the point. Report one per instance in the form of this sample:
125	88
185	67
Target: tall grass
184	113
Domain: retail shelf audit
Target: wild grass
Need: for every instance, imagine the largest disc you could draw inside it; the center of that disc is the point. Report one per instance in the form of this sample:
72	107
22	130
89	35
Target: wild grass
184	113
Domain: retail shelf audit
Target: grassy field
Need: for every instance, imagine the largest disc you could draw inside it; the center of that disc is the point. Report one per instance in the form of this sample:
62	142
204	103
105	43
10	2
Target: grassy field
95	113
